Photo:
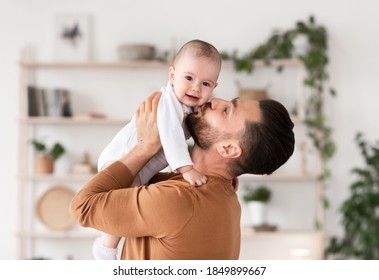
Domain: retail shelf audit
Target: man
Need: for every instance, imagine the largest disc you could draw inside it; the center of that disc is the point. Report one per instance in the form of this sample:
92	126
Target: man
169	218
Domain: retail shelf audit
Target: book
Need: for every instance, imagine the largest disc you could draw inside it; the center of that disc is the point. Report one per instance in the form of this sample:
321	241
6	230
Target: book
63	102
88	116
37	102
42	104
58	103
32	101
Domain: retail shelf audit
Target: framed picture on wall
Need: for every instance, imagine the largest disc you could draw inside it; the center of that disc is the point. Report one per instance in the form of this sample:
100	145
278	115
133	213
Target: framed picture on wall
72	37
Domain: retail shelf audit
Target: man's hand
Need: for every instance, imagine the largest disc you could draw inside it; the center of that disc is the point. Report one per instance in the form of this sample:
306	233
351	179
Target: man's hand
146	122
148	136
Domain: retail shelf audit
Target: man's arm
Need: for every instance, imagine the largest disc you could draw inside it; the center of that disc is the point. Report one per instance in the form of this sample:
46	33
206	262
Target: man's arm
107	204
100	201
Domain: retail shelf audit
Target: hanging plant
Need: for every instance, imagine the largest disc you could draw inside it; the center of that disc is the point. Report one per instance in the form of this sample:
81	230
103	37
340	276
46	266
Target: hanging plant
281	45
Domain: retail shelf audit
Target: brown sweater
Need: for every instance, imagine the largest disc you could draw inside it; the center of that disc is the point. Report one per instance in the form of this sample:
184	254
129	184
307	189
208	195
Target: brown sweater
168	219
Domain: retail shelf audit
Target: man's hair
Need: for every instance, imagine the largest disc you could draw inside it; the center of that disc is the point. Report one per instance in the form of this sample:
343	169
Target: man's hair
200	49
266	145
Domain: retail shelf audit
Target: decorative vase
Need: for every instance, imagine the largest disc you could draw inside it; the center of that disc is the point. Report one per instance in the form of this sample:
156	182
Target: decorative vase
44	164
251	93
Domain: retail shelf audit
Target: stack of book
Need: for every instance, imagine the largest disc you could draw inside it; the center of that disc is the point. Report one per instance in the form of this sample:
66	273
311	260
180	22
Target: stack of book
52	103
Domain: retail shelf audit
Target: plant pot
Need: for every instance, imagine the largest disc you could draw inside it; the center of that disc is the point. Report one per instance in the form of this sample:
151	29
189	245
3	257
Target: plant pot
257	212
44	164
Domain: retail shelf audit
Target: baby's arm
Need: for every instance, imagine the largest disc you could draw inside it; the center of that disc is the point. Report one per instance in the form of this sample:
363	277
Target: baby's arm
192	176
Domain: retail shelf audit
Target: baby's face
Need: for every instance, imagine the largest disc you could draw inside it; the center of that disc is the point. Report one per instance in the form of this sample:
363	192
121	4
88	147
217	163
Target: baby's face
194	79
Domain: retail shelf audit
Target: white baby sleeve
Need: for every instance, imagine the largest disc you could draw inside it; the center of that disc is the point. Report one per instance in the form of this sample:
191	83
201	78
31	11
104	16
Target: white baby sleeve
170	119
121	144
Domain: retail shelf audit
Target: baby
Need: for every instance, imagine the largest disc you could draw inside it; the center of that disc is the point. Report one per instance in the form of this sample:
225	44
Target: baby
192	79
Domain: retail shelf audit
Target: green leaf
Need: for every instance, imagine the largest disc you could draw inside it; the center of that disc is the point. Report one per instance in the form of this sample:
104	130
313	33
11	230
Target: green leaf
39	146
325	202
332	92
57	150
312	19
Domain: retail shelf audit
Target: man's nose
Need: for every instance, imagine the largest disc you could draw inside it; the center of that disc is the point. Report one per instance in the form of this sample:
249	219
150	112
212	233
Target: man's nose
215	102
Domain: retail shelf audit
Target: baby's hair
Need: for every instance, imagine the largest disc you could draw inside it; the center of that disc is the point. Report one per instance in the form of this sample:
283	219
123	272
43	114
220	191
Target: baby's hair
200	49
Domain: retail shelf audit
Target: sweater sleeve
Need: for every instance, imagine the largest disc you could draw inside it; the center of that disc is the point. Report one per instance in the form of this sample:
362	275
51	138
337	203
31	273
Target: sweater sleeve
107	204
170	120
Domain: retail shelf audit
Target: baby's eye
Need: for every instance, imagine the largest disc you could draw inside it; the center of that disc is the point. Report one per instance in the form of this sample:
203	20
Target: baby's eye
206	84
188	78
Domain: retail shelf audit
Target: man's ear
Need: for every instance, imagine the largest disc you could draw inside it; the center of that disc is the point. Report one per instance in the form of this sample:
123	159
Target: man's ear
229	149
171	74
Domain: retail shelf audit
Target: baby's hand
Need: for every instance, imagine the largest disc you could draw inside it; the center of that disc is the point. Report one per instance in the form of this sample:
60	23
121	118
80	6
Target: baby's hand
194	178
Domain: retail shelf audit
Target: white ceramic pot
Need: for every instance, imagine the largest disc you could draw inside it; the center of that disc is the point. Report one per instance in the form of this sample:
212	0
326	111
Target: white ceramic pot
257	212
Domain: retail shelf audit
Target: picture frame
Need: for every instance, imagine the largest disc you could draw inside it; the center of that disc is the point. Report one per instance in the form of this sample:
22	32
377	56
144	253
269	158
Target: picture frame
73	37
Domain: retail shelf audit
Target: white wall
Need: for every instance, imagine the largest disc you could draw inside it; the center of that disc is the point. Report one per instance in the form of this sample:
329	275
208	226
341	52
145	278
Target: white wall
240	24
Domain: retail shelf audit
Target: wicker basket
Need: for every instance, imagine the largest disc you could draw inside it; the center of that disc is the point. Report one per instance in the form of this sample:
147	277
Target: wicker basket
136	52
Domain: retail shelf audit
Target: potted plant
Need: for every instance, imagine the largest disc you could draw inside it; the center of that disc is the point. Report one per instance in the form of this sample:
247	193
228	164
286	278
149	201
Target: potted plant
45	157
360	217
256	200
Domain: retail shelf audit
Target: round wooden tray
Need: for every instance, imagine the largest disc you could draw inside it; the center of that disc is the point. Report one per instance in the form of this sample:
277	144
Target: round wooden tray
53	208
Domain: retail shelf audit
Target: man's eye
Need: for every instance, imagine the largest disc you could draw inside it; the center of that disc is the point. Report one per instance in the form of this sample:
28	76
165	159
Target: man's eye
188	78
206	84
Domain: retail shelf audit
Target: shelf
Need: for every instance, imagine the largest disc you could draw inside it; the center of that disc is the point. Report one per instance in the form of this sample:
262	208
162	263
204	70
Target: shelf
245	233
58	235
291	62
246	177
94	121
58	178
94	65
71	121
277	178
249	232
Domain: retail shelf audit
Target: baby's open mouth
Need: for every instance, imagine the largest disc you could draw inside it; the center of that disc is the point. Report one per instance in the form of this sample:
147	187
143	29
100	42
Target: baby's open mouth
193	98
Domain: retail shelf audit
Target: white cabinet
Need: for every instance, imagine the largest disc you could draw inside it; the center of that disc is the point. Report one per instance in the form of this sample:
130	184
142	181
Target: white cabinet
113	89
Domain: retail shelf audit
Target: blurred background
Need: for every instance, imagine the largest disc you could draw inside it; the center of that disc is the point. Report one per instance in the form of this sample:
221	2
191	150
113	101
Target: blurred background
74	47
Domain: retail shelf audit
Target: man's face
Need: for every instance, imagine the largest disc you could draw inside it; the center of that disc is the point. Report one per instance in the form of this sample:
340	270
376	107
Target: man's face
220	119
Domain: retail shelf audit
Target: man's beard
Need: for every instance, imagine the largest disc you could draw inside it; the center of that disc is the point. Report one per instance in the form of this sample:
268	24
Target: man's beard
202	133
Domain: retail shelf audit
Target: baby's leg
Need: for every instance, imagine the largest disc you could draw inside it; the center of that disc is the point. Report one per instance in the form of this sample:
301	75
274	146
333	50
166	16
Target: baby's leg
152	167
109	240
105	247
